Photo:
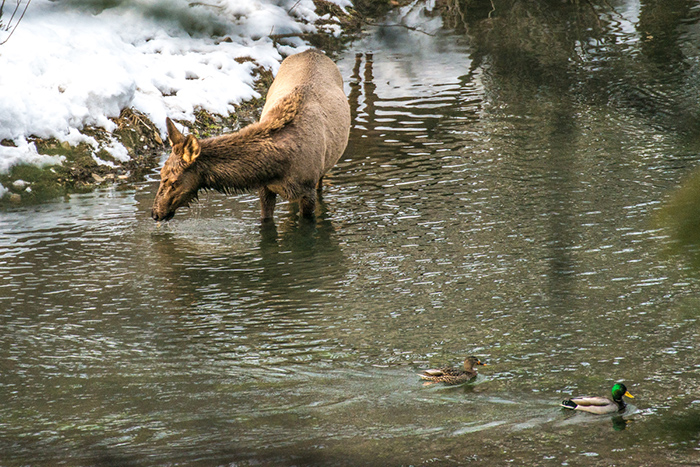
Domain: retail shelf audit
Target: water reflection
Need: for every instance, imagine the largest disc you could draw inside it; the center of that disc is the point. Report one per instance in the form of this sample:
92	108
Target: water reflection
489	203
681	219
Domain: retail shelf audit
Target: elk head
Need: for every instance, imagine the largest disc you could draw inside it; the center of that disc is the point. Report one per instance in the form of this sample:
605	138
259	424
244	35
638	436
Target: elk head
179	179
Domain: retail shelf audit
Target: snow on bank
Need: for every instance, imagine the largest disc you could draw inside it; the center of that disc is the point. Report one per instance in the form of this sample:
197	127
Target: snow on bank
74	63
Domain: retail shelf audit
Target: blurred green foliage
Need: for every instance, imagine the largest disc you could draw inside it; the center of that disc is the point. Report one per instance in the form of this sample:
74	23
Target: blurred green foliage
680	216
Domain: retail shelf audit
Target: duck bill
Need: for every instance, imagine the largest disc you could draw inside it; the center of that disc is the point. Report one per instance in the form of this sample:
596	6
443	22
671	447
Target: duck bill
627	394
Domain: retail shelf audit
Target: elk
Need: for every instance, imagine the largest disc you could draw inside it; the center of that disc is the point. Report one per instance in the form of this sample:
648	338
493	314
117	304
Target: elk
302	132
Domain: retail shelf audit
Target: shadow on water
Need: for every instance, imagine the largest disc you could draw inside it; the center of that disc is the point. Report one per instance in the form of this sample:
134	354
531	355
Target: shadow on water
284	256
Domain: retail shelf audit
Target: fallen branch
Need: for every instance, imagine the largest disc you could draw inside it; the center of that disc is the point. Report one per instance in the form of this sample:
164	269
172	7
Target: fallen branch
397	25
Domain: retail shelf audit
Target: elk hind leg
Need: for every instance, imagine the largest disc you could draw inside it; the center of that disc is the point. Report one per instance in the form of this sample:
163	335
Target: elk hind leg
268	199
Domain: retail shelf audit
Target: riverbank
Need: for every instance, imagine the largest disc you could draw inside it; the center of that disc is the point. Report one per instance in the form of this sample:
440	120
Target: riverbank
90	85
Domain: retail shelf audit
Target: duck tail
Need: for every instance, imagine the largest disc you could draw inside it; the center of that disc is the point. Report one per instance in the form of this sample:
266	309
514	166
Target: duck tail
569	404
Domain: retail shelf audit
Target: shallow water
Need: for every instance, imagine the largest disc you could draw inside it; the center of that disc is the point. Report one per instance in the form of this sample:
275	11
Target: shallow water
486	205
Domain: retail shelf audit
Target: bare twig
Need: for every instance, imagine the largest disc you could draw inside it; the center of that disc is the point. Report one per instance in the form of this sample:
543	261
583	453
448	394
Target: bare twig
397	25
13	14
595	13
294	6
9	23
217	7
301	35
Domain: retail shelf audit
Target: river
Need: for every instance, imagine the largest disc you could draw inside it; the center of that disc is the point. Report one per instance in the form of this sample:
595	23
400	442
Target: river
519	186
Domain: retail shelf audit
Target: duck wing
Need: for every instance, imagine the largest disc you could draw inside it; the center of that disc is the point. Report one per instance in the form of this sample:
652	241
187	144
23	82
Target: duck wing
591	401
591	404
433	372
440	372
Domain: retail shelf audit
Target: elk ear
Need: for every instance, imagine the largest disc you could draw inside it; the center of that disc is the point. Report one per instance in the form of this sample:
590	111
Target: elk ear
174	135
191	149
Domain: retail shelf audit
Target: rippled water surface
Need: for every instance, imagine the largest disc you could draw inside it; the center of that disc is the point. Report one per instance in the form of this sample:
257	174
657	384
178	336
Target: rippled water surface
534	209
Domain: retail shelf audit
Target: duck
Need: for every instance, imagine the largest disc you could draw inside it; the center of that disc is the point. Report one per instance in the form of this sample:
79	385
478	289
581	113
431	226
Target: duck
600	405
449	375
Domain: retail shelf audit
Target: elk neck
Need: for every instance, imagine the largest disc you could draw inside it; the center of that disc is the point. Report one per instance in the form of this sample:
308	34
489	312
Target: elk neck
241	161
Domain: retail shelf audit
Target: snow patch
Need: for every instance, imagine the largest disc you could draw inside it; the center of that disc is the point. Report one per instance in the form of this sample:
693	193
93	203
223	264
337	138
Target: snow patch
25	153
74	63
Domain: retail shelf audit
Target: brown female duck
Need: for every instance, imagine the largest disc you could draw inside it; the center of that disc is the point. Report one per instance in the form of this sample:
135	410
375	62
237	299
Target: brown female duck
449	375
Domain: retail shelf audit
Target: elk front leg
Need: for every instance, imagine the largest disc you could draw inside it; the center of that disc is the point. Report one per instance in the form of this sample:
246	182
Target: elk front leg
307	204
268	199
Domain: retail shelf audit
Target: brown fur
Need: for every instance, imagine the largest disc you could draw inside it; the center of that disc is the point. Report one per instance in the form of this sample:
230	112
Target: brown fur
302	132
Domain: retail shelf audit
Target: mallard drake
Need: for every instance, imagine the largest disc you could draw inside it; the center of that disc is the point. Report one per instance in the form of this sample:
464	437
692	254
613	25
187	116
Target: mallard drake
449	375
600	405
